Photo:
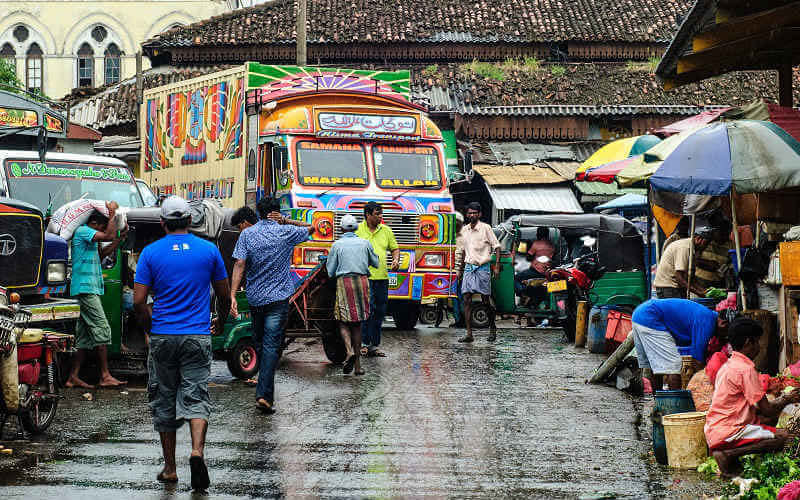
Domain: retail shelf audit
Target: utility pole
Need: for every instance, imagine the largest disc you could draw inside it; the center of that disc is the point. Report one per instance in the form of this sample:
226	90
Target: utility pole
302	54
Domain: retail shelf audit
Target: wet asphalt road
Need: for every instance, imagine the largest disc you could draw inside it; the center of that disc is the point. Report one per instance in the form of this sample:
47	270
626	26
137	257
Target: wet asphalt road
438	418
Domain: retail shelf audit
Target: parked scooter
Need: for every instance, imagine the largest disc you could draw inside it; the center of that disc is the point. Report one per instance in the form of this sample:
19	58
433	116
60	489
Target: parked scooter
570	284
28	369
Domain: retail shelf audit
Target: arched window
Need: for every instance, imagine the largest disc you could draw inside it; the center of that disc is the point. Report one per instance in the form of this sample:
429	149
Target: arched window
85	66
112	64
33	68
9	54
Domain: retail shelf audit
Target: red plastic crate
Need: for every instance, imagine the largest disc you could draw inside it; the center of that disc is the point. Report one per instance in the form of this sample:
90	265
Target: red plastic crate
617	330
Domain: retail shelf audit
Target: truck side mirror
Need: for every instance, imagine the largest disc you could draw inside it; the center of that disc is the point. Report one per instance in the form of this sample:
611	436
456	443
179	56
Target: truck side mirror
280	161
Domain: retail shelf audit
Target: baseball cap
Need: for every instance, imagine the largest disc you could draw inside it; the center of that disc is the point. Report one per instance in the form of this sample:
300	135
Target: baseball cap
349	223
459	217
175	208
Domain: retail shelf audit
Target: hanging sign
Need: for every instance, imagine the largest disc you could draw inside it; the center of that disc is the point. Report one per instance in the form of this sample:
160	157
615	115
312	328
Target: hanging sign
53	123
10	117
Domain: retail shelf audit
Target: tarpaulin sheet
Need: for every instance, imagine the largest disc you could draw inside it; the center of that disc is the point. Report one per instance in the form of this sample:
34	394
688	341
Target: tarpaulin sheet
690	123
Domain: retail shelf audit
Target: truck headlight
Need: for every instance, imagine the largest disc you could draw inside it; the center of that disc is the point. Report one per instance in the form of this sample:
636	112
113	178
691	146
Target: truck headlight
434	260
56	273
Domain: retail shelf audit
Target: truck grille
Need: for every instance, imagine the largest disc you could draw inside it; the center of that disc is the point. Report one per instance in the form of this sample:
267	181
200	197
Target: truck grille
20	249
404	225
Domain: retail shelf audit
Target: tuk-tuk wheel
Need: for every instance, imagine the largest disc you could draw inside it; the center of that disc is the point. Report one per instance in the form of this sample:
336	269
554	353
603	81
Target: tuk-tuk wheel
479	315
242	360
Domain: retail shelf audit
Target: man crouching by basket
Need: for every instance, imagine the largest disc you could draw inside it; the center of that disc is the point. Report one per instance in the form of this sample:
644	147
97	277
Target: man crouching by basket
732	427
349	261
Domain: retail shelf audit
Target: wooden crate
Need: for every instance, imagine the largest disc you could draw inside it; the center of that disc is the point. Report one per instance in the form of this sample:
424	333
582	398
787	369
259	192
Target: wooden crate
790	263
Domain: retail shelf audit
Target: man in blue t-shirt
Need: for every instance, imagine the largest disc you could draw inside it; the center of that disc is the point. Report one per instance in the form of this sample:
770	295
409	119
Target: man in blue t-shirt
179	270
92	332
666	329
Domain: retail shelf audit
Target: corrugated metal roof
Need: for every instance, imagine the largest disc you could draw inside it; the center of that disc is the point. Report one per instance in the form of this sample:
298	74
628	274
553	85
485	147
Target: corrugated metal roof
603	189
547	199
514	175
517	153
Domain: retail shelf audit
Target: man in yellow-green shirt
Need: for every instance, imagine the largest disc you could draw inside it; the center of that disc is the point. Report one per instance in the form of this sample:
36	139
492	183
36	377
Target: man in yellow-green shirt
383	240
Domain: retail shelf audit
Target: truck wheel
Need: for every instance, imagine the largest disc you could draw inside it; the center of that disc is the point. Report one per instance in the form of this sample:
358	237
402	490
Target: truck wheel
428	315
479	315
333	345
243	360
406	315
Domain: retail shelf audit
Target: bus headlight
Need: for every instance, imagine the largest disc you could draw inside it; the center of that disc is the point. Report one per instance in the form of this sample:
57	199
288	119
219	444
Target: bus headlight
432	259
312	256
56	273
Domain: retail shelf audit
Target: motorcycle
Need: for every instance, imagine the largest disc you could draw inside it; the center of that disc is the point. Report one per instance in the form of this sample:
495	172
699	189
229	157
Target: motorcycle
31	390
570	284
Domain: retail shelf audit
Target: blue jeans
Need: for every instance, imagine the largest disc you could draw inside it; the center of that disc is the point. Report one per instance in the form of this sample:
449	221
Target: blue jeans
269	327
378	299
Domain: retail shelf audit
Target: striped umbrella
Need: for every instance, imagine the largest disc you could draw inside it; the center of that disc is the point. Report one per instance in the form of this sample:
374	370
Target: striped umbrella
646	164
617	150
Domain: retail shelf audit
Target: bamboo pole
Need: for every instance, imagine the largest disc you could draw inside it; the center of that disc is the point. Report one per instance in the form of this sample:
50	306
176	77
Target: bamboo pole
738	248
691	259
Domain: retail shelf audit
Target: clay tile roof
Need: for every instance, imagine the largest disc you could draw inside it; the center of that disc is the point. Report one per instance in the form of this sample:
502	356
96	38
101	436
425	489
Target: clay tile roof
582	89
347	21
115	105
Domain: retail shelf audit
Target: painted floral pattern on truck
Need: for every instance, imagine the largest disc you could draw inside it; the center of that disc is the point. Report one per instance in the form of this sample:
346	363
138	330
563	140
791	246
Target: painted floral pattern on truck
190	125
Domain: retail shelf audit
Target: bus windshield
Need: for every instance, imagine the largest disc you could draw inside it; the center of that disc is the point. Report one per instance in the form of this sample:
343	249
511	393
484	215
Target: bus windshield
331	164
53	184
407	167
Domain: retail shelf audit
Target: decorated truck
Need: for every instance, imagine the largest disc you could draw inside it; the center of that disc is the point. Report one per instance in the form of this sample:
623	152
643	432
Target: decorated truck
325	142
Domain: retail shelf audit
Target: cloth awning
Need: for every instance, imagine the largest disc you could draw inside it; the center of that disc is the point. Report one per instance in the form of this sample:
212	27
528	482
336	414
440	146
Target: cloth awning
547	199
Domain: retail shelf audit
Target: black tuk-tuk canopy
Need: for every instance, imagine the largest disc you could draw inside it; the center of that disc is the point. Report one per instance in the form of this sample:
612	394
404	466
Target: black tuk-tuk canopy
620	244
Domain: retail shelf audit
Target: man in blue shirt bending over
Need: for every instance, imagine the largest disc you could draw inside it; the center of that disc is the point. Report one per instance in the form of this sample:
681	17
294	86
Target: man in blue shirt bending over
665	329
180	269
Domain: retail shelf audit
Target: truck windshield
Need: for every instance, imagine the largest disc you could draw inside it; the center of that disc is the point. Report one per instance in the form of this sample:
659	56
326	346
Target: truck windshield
55	183
331	164
407	167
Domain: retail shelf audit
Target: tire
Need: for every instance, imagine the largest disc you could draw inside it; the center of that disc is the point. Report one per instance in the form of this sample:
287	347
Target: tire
406	315
479	315
37	422
333	345
243	360
428	315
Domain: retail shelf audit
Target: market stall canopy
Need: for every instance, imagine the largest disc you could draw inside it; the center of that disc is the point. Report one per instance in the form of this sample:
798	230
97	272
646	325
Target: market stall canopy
617	150
608	173
748	156
548	198
629	200
509	175
645	165
691	123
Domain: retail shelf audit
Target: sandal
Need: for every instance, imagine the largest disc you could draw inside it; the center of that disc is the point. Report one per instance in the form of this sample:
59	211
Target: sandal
364	351
349	363
252	382
374	353
265	407
360	372
466	338
161	478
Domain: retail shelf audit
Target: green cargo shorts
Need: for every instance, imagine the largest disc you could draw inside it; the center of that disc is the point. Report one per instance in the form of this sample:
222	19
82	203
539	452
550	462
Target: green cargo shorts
179	367
92	329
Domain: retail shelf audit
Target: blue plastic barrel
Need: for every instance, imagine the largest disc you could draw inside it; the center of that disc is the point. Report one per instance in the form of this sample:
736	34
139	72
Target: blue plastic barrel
596	336
667	403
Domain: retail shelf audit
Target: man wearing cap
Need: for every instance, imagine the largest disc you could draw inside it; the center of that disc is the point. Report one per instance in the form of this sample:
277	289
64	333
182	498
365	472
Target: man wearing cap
349	261
264	253
179	270
672	275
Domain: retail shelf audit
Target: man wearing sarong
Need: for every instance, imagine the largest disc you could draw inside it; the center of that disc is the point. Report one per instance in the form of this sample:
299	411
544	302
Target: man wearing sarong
732	427
349	261
475	277
665	329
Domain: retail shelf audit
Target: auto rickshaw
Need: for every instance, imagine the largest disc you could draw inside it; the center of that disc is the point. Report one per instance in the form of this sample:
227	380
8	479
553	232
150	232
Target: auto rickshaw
617	244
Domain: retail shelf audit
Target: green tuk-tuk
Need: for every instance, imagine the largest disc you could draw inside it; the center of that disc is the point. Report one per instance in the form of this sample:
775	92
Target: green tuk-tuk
128	350
620	249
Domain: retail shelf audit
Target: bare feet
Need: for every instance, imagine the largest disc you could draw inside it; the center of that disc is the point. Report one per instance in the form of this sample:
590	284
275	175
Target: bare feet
167	476
728	467
110	381
76	382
